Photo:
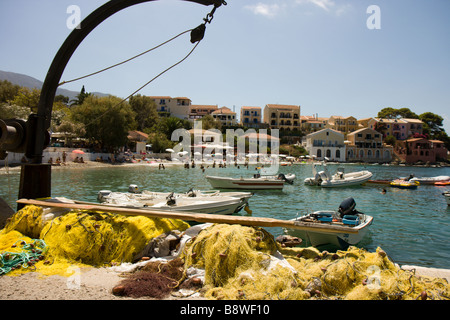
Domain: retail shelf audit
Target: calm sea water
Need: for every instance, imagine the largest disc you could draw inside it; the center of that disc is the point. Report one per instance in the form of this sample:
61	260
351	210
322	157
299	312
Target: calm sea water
412	226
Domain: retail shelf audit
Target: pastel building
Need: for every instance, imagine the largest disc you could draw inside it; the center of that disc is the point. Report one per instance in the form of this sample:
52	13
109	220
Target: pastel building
178	107
366	145
282	117
326	143
251	117
420	149
401	129
225	116
196	112
343	124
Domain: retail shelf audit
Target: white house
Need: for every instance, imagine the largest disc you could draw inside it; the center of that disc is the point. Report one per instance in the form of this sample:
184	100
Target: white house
326	143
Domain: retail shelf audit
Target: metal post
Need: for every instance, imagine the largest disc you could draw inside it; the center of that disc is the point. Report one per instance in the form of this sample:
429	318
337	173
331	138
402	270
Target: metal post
38	124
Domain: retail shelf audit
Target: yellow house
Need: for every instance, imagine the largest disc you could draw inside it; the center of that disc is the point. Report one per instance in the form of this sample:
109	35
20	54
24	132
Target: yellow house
283	117
225	116
366	145
178	107
251	117
197	112
343	124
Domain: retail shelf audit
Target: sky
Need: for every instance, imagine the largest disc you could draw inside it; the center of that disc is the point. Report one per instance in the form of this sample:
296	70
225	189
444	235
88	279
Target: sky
331	57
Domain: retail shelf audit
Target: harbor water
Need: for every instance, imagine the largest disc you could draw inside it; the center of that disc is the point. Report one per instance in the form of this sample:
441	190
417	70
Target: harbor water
411	225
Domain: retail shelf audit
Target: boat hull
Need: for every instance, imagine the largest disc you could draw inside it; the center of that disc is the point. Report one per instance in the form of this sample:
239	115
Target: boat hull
404	184
249	183
332	237
431	180
447	197
348	180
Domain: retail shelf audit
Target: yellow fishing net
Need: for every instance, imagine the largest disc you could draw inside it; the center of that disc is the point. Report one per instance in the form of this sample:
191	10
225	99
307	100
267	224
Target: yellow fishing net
84	238
239	262
242	263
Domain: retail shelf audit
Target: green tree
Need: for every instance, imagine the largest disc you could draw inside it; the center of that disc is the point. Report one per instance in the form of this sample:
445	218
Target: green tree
432	123
159	142
145	109
8	91
80	97
208	122
169	125
27	98
433	127
106	120
391	113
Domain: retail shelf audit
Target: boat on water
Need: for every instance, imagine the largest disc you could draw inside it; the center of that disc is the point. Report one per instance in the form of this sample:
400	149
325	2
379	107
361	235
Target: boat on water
340	179
431	180
257	182
136	194
447	197
192	201
404	184
343	228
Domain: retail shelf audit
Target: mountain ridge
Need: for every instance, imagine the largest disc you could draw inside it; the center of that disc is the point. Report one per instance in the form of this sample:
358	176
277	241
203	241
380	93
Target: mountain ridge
24	80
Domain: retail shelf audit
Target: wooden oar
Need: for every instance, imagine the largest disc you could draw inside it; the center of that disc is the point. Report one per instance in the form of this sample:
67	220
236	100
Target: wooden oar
198	217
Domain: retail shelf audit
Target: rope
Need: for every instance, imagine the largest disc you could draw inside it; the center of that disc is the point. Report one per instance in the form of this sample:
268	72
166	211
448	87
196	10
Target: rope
125	61
146	84
32	253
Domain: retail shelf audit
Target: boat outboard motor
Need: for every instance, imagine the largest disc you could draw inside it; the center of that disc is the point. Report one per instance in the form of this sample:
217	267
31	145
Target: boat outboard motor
133	188
281	176
347	207
191	193
171	201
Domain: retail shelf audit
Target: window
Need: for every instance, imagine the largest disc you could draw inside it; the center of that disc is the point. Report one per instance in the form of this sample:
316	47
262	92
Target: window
319	153
328	153
338	154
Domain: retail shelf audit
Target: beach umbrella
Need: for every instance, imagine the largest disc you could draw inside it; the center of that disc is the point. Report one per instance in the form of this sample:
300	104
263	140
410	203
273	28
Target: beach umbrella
78	151
182	153
170	150
197	153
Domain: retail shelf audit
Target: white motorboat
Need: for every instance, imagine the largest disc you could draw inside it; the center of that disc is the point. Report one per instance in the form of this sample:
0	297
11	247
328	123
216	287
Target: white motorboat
135	193
211	205
339	179
257	182
196	201
430	180
447	197
342	229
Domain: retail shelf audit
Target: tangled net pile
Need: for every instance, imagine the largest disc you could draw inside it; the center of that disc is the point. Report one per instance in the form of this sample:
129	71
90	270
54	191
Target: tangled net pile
238	262
81	237
242	263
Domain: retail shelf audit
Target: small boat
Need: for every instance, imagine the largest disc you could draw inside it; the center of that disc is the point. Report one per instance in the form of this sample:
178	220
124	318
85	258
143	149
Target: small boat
144	195
215	203
343	228
257	182
339	179
404	184
428	180
442	183
447	197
